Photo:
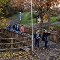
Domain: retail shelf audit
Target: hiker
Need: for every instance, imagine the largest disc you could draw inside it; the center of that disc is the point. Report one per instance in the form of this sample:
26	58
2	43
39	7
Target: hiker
22	29
37	37
8	27
17	27
45	37
14	27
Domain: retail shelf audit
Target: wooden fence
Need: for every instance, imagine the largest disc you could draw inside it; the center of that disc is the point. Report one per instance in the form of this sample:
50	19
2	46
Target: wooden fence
53	35
18	39
19	36
13	44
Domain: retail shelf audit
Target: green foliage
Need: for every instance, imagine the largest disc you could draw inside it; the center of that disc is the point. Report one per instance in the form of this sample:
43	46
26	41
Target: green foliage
58	25
26	19
53	18
26	16
34	14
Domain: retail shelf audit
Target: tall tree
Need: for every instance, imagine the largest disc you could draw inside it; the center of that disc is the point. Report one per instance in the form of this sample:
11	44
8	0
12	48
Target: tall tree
2	4
43	6
16	4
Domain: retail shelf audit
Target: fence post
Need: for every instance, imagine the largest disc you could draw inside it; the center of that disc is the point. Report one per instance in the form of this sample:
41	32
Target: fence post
11	43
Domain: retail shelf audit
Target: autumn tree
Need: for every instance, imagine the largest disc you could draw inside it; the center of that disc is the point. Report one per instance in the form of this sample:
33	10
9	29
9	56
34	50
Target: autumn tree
17	5
2	6
43	7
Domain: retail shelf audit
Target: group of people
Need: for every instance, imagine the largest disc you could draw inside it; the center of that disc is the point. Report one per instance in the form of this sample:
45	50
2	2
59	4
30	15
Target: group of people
15	27
37	35
44	37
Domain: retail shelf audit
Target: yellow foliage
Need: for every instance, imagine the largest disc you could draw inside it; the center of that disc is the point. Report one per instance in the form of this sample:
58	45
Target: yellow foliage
45	20
45	16
3	22
6	24
51	27
3	2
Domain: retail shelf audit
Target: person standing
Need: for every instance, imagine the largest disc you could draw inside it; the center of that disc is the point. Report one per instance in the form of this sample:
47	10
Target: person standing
45	37
37	37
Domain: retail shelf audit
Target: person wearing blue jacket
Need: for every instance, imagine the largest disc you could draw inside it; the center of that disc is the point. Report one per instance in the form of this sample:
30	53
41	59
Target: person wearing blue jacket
15	27
8	27
37	37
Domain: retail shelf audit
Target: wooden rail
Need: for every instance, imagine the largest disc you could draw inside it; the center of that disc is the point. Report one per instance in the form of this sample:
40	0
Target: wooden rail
12	45
19	36
18	39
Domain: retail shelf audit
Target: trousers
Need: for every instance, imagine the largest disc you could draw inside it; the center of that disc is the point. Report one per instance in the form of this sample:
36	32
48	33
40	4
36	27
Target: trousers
46	42
37	42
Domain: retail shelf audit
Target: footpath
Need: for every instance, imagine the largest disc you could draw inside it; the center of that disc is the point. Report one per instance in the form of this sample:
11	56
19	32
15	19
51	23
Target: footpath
51	53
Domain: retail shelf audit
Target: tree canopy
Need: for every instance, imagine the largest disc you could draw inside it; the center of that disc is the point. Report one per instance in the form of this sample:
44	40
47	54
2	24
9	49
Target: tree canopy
9	7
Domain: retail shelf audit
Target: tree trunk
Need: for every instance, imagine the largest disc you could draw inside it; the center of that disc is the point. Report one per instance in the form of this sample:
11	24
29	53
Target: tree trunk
40	24
41	16
49	23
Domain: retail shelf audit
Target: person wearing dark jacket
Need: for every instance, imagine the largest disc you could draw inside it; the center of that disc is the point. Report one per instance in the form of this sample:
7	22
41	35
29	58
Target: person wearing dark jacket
45	37
8	27
37	37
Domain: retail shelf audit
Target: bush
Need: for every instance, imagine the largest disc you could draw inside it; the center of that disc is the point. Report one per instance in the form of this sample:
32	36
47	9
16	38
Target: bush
34	15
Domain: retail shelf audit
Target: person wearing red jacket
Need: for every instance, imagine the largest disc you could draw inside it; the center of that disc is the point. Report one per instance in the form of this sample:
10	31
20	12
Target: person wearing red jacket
22	29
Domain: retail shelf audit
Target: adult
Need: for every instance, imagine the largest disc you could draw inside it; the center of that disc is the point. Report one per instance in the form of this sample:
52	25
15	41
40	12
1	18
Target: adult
22	29
37	37
45	37
8	27
14	26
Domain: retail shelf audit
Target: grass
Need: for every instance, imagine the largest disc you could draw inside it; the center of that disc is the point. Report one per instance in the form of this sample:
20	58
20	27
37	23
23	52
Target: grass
26	19
53	19
57	25
16	15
